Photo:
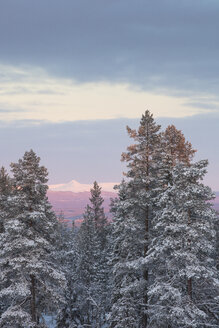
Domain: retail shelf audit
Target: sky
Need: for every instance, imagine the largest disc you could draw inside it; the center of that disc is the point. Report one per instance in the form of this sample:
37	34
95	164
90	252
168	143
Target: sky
73	74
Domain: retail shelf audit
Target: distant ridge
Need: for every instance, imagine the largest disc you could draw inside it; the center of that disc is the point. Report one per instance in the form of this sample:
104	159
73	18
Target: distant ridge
76	186
72	204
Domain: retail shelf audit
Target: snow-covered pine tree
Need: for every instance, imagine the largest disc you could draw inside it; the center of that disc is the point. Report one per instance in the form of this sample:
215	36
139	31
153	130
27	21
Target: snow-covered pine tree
69	315
92	265
150	162
101	254
97	210
124	279
185	288
143	160
5	182
86	271
32	279
5	192
217	243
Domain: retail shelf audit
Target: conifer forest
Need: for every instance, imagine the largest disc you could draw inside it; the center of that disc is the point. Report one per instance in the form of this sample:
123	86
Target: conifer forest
153	264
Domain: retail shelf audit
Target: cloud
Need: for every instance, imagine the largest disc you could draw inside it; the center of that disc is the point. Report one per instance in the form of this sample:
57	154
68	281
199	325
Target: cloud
32	94
205	105
100	59
2	110
167	46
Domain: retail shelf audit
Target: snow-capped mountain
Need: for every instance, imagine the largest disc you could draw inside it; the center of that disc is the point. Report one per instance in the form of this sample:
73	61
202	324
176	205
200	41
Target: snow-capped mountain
76	186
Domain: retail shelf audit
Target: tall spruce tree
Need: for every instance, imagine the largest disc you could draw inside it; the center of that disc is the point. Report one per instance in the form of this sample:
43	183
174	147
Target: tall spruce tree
97	211
69	315
185	289
92	263
101	254
143	160
5	193
150	162
217	242
124	279
31	277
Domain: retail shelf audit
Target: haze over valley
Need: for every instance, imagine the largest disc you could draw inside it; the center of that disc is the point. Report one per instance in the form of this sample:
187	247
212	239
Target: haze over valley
70	199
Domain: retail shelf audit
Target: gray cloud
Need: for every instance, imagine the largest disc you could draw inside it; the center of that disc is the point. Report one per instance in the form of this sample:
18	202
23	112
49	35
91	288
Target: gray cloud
11	110
162	44
204	105
27	91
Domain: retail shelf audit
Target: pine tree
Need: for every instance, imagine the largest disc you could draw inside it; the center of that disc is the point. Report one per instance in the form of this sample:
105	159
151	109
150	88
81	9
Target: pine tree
5	192
96	210
150	162
69	315
144	169
175	145
125	279
217	243
185	288
31	277
92	262
175	150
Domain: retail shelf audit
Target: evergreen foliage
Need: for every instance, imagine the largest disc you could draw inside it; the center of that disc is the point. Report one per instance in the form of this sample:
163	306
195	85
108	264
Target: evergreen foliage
185	285
125	279
86	300
155	265
143	158
31	277
153	162
69	314
176	147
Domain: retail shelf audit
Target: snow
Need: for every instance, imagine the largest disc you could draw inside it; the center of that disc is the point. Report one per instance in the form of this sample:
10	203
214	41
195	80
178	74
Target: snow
76	186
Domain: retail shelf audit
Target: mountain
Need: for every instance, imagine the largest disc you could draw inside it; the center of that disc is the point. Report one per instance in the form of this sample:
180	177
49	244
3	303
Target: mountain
76	186
72	204
71	198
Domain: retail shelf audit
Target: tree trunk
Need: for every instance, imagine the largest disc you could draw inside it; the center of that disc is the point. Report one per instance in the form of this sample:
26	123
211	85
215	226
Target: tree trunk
145	273
189	287
189	280
33	298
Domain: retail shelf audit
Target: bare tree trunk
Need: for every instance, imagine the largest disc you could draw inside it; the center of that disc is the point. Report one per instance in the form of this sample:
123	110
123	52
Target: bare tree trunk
145	273
189	287
33	298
